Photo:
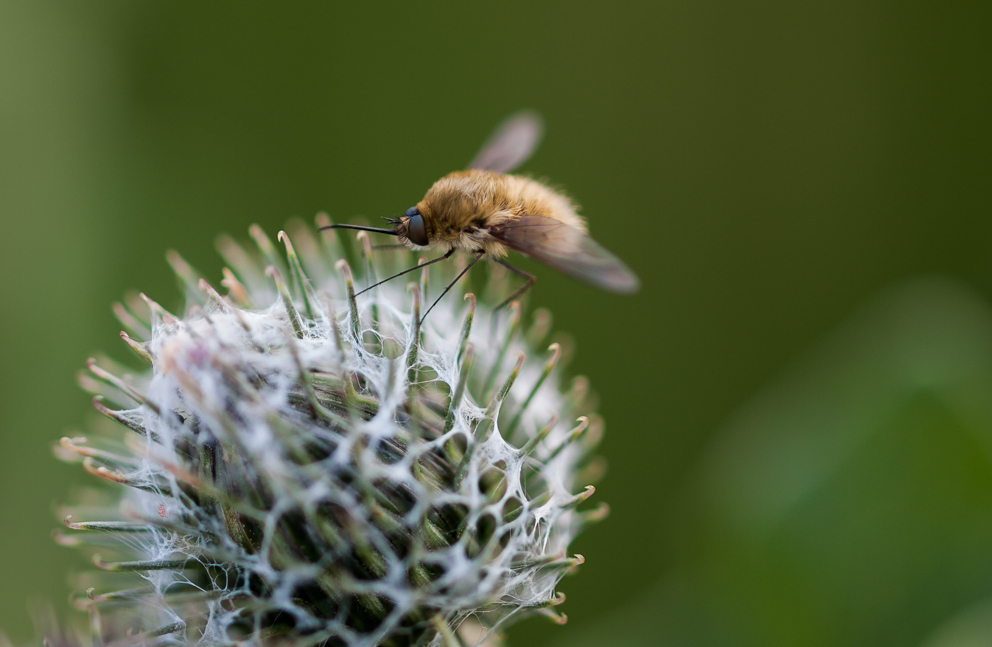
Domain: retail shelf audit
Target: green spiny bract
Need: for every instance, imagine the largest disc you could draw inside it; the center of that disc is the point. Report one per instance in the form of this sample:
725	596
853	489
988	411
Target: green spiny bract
307	468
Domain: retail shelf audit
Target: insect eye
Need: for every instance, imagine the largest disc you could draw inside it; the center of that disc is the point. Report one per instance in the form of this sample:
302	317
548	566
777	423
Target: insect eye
415	229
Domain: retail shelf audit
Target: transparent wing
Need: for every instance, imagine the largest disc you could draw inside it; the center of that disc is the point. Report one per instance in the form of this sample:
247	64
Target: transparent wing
513	141
568	250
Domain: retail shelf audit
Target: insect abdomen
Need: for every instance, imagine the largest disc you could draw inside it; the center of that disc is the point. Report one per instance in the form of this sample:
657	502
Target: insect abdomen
532	198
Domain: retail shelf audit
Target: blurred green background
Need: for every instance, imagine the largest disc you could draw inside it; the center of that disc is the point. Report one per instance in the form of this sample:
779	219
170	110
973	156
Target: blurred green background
799	427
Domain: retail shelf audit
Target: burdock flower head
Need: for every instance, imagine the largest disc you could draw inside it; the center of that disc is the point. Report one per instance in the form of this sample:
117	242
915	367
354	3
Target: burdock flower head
304	467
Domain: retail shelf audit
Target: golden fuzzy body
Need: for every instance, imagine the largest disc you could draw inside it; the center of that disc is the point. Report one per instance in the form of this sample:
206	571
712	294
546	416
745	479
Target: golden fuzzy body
463	207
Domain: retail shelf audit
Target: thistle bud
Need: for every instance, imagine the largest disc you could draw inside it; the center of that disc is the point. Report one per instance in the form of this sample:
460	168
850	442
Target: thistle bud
302	466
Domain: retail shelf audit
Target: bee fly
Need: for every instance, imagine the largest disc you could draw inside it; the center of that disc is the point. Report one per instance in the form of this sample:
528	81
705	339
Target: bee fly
485	212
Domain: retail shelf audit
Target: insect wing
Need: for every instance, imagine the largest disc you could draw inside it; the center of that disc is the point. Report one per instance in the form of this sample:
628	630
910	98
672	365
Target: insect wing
513	142
569	250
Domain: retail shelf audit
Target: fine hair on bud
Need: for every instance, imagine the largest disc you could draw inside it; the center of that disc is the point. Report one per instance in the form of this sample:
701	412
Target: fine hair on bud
297	466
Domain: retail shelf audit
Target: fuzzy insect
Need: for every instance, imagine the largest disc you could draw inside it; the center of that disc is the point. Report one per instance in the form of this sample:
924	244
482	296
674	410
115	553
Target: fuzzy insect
485	212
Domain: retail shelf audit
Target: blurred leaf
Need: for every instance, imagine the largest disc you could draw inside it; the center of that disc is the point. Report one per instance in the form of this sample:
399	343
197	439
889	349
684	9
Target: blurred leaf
970	628
850	503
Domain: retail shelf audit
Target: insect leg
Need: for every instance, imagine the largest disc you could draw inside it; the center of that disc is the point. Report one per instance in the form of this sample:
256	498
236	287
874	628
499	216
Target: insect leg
531	280
450	285
415	267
